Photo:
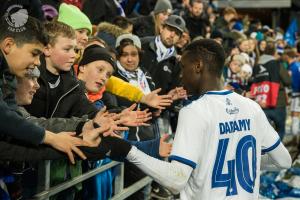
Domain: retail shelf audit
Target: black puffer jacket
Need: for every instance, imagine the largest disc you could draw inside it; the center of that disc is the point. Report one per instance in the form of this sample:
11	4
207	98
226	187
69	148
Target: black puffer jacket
72	103
165	74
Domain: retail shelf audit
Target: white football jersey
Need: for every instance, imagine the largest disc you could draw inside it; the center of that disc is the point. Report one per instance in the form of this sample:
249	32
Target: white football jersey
222	136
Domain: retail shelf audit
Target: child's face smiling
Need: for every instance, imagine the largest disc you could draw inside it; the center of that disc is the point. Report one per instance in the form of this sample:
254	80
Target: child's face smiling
26	89
20	58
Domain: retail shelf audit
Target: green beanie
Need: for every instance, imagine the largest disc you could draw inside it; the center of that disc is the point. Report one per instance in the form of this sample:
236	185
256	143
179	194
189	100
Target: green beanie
72	16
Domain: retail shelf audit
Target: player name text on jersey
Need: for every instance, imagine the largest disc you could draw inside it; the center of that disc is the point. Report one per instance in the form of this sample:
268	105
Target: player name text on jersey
234	126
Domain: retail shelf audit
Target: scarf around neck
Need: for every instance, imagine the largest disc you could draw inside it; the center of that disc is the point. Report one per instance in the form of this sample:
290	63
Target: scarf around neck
162	52
136	78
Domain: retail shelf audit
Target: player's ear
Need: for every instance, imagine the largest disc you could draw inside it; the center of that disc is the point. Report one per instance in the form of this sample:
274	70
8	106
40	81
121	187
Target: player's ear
198	67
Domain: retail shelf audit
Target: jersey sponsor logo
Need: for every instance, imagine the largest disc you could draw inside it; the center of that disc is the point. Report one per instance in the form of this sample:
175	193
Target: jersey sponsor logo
234	126
230	109
228	102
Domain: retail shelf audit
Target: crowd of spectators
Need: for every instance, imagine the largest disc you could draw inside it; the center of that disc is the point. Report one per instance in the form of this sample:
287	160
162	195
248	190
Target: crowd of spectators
81	71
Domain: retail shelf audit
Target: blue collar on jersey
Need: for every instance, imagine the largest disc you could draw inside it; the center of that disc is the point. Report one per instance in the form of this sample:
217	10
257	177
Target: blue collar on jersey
192	98
223	92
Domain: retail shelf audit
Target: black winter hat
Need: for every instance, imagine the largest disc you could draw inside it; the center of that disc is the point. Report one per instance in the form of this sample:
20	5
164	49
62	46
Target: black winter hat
94	53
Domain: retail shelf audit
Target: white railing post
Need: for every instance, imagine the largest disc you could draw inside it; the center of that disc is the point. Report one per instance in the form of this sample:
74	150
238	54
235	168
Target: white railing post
44	176
119	179
120	192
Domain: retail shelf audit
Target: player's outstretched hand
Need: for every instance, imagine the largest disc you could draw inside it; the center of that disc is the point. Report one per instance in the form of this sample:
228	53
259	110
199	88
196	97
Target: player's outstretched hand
135	118
67	143
178	93
157	101
165	148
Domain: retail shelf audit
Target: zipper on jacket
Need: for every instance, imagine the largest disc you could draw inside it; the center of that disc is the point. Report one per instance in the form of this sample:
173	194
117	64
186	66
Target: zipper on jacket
73	88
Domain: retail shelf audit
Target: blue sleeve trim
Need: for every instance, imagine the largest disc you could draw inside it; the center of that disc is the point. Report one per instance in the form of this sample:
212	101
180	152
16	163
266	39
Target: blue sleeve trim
184	161
263	151
219	92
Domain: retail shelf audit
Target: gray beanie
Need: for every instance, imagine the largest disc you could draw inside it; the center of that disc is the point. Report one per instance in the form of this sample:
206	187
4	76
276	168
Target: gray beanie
134	38
162	5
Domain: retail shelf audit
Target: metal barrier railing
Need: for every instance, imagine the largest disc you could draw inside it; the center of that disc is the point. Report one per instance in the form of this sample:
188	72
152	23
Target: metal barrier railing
119	191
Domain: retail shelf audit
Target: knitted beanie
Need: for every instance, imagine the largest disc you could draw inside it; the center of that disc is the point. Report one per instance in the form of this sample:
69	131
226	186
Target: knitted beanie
162	5
94	53
72	16
134	38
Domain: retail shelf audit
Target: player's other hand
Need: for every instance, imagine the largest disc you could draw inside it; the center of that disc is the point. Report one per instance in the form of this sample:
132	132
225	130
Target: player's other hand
165	148
178	93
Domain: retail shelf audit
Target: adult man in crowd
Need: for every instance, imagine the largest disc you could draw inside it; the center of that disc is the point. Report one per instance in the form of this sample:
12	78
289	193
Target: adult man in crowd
159	56
196	19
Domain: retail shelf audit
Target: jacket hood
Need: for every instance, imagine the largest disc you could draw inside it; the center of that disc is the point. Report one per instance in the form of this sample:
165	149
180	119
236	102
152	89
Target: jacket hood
110	28
265	58
109	33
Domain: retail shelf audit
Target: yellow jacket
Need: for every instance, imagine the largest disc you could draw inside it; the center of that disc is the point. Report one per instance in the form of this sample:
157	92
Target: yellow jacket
124	89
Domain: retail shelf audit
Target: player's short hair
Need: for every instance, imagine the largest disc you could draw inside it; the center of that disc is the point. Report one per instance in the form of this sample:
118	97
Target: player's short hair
56	29
208	52
33	31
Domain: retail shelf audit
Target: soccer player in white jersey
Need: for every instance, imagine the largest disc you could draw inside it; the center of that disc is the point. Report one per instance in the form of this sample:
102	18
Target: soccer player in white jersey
222	139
